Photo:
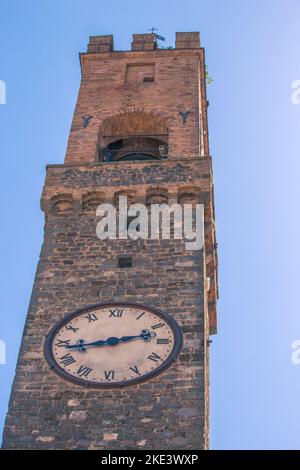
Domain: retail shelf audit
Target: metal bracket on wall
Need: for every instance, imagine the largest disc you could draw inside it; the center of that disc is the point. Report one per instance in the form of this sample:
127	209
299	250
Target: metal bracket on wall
86	120
184	115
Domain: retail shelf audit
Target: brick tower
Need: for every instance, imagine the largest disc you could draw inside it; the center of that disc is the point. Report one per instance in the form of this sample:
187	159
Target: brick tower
139	129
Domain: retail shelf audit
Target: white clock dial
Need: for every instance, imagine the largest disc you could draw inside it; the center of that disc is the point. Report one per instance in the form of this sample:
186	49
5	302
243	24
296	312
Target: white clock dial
113	344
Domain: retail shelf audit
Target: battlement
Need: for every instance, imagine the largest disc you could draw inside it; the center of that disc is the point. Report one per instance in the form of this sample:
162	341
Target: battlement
144	42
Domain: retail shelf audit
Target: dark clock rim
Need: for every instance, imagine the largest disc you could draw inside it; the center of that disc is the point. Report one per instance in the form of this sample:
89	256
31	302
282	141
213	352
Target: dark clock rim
178	342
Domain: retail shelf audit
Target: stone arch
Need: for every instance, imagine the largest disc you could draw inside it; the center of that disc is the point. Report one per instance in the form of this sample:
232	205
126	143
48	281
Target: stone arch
62	204
188	195
91	200
156	196
131	197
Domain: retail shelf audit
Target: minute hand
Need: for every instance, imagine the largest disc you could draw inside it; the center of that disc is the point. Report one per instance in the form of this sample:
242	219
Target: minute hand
145	335
124	339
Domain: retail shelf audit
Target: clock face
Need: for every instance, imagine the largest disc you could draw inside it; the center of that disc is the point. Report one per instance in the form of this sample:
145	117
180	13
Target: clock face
113	345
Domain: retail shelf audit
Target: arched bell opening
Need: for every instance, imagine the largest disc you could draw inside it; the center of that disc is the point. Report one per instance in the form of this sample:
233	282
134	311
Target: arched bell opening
133	137
134	148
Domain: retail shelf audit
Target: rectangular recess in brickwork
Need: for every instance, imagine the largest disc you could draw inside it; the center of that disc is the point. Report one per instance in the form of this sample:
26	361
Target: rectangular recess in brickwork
139	73
96	288
125	262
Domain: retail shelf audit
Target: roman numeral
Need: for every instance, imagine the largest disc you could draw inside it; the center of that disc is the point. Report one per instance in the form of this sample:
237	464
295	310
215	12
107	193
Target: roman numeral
154	357
117	312
84	371
67	359
158	325
71	328
163	341
135	370
140	316
62	343
109	374
91	317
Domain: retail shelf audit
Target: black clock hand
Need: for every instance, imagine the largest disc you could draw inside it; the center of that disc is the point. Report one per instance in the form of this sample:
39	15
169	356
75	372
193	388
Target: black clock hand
145	335
111	341
80	345
108	342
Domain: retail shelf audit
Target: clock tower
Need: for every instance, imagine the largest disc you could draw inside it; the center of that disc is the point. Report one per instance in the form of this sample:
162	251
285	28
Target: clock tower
115	351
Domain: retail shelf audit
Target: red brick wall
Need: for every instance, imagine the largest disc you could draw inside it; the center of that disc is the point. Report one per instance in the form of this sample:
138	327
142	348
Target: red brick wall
107	89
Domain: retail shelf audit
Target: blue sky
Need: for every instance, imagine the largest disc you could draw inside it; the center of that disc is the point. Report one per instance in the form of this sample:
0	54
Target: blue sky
253	57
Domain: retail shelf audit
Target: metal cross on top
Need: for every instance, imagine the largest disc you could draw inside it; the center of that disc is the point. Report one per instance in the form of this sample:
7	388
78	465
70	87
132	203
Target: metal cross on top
152	29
